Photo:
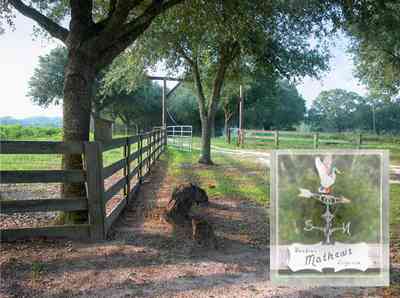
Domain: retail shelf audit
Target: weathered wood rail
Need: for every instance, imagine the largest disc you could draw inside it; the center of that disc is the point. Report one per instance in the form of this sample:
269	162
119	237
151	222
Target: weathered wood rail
148	148
313	139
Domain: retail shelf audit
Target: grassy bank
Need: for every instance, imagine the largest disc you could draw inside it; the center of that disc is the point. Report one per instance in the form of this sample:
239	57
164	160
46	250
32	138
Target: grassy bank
230	176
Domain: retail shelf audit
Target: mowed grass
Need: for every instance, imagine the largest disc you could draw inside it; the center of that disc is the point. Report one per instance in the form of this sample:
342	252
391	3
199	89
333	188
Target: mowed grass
229	177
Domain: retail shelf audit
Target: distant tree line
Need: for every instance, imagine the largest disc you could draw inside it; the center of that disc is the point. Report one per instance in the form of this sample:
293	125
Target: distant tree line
338	110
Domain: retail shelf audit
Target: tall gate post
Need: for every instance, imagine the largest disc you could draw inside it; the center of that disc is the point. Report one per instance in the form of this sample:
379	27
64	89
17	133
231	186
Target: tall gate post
95	189
316	140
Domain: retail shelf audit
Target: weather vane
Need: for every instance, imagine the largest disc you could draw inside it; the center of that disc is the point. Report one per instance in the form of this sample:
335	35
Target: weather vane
327	175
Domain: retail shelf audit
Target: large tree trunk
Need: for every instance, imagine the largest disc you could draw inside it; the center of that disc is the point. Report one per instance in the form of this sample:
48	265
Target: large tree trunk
78	85
205	156
213	127
226	127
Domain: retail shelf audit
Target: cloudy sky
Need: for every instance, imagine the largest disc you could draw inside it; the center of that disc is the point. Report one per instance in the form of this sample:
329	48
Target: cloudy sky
19	53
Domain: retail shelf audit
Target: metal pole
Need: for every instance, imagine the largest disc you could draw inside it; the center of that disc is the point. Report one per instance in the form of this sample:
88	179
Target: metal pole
164	90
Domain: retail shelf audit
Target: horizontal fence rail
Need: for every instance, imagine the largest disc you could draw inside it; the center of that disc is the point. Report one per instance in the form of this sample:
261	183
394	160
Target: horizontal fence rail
314	139
141	150
36	205
49	176
41	147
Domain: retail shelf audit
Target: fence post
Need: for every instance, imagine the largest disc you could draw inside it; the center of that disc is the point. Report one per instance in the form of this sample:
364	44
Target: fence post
159	140
127	168
140	158
276	137
240	137
153	138
95	189
316	140
165	141
148	152
359	141
154	146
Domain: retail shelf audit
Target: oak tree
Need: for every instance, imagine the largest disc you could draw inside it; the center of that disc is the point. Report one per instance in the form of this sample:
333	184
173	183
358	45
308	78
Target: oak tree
98	32
206	39
373	27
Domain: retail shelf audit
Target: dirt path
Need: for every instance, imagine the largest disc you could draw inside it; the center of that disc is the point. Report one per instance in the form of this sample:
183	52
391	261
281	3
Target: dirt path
144	258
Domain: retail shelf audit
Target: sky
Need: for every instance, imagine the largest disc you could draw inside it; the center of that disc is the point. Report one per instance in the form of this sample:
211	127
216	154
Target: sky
20	51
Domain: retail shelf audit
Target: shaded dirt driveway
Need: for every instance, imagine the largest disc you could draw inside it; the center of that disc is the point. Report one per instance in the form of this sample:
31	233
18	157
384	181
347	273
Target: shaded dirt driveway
144	258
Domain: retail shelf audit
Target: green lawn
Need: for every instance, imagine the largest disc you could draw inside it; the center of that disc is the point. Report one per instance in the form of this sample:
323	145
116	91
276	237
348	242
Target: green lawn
230	176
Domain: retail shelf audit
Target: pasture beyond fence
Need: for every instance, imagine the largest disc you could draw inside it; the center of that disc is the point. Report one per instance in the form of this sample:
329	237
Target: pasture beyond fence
139	153
312	139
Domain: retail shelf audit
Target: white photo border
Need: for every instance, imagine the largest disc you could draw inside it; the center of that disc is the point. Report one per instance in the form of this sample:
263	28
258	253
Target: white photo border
354	280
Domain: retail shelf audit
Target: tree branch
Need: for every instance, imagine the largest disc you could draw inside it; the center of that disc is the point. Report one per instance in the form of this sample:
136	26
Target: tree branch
153	10
218	82
119	41
108	54
185	56
111	7
117	16
199	88
46	23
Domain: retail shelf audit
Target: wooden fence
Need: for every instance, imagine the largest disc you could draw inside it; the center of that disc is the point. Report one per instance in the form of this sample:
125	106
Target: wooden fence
314	139
148	147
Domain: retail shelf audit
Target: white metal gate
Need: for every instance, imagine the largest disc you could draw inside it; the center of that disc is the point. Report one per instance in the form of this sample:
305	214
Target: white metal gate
180	137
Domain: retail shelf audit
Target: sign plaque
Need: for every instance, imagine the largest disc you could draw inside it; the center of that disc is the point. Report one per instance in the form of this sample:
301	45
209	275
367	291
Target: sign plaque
329	217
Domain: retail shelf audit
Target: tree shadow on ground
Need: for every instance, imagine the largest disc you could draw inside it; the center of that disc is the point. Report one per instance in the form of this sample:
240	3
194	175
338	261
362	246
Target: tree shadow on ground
143	259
